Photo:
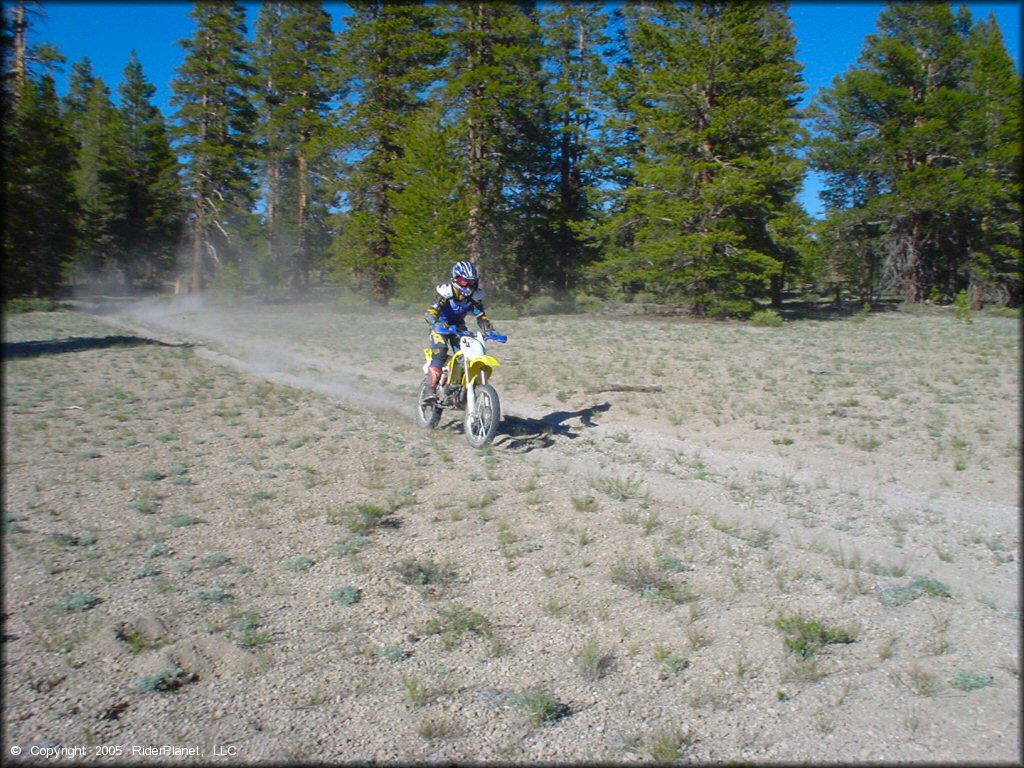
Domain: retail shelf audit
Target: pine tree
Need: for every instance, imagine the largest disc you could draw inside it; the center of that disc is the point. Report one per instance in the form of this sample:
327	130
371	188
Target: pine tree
991	129
296	69
430	207
494	89
574	37
214	126
39	199
38	234
19	55
389	51
95	164
76	101
707	97
902	137
142	175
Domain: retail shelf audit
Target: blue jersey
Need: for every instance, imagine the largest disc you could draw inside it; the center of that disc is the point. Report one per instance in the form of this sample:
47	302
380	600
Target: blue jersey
451	310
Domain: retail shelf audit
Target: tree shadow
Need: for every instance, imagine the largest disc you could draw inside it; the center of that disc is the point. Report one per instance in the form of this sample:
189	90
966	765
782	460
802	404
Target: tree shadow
827	310
524	434
25	349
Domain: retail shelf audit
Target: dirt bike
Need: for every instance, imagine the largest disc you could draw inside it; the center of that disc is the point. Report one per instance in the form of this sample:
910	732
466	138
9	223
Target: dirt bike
463	385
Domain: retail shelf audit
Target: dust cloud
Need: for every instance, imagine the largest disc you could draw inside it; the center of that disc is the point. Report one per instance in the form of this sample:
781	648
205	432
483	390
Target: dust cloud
299	345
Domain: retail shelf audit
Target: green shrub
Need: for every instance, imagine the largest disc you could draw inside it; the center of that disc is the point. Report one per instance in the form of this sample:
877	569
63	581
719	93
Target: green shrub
893	597
586	304
18	306
79	603
213	595
215	560
648	581
765	318
170	679
143	571
145	505
366	518
1012	312
540	706
544	304
299	564
962	308
674	663
159	550
807	636
394	653
453	622
971	681
353	544
346	595
226	285
667	744
592	662
425	574
931	587
670	563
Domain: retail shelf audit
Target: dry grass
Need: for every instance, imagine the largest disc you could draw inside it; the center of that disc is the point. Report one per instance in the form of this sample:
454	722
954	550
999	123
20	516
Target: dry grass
286	535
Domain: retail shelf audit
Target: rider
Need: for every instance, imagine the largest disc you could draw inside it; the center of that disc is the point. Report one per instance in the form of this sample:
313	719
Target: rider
453	301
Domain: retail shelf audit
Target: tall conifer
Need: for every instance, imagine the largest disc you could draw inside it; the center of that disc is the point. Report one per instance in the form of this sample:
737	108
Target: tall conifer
145	183
708	96
94	167
39	196
494	85
389	50
214	124
574	36
919	143
296	70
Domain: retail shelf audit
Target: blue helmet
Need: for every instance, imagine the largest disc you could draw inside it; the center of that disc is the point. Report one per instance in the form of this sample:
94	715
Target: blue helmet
464	279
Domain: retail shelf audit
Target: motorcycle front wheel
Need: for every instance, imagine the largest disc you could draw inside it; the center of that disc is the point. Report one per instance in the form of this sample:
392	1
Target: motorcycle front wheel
427	413
482	421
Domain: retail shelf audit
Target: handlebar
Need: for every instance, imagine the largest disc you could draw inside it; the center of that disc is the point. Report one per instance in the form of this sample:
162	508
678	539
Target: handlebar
451	330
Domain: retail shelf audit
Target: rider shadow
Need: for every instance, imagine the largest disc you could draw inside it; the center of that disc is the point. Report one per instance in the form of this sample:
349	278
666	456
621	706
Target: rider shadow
525	434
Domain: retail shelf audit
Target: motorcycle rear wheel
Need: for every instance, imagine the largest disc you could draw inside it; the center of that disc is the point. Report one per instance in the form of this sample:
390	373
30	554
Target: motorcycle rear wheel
427	413
482	421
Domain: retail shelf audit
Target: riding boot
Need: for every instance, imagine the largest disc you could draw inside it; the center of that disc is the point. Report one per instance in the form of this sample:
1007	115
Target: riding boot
433	377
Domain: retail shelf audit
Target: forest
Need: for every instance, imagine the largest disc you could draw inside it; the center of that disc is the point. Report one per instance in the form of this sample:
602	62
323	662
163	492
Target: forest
649	151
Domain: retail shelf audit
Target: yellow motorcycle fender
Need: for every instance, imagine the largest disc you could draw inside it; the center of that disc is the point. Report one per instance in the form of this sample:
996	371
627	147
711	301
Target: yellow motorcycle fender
486	362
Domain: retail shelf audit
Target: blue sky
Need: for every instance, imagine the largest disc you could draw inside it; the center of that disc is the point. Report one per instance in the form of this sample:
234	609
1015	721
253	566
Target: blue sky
829	35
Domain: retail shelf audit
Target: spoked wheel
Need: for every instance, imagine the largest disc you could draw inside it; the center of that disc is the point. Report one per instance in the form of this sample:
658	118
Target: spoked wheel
482	421
428	413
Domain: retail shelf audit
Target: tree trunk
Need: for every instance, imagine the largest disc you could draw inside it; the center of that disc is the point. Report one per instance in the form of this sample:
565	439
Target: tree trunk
777	284
273	192
475	153
196	279
19	25
302	246
567	194
912	284
381	246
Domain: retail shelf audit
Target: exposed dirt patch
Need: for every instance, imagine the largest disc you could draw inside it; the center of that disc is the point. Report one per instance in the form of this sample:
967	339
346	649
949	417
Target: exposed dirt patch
696	541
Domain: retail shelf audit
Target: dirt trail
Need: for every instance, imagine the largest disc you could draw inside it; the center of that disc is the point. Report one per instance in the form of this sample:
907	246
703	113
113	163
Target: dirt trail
364	380
197	557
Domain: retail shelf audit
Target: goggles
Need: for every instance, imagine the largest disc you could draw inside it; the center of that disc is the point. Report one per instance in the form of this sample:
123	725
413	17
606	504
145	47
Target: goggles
465	282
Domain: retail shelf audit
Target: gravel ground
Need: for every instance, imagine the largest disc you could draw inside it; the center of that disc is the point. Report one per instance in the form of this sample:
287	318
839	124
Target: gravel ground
227	541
